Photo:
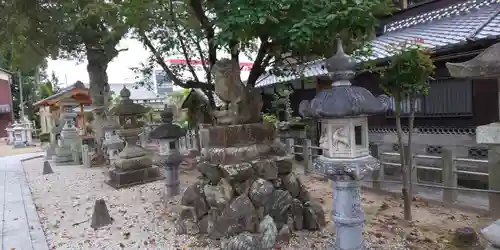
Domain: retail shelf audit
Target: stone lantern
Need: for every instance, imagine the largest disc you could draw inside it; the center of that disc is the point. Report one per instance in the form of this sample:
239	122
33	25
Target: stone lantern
343	111
167	136
133	165
10	133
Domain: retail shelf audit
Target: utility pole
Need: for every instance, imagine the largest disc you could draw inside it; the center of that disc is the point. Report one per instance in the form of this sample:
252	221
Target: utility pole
21	98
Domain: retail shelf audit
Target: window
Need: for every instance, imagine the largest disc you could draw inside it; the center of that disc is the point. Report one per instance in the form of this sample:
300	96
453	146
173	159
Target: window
358	135
172	145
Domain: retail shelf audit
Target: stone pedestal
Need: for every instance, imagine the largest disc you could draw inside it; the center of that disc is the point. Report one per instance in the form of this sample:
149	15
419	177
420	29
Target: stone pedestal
246	177
121	179
133	165
345	176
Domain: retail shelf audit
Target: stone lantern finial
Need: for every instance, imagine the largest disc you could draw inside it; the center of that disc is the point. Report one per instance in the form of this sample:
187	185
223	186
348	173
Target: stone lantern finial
125	93
340	66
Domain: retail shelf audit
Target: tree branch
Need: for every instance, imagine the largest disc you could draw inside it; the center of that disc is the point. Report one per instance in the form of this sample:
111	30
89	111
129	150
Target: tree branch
199	13
164	66
258	67
181	42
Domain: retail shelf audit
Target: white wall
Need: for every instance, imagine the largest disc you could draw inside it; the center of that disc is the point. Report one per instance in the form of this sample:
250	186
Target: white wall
4	76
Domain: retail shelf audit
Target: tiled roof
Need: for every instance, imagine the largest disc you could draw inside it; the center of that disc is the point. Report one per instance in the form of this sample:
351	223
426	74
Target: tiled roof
136	92
309	69
436	30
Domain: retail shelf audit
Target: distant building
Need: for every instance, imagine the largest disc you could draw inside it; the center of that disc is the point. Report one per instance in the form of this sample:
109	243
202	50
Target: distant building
6	115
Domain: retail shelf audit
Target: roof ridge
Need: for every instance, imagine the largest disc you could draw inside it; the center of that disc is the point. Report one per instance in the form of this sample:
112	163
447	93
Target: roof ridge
450	11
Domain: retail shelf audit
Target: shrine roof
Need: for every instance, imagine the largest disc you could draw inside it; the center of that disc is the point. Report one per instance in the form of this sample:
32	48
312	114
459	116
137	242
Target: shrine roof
437	30
6	71
75	89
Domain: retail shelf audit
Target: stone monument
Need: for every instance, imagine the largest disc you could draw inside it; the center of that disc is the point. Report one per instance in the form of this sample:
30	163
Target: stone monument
66	153
247	184
343	111
169	157
133	165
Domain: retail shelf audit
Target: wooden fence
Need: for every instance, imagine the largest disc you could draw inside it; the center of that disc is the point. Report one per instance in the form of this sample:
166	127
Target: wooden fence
445	169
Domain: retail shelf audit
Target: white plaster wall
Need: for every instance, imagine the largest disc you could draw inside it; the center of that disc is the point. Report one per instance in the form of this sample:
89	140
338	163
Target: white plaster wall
4	76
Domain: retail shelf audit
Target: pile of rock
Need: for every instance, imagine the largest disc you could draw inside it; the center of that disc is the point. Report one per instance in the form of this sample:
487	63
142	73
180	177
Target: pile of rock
247	186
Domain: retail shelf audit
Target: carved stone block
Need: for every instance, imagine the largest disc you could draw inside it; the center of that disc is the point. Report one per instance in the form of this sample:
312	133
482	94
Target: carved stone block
120	179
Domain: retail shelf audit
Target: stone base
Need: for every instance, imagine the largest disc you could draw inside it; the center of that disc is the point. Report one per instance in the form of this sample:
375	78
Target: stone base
20	145
121	179
333	246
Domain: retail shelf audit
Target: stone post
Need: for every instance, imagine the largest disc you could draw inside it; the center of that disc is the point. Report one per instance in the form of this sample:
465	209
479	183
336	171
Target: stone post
346	159
494	178
169	158
349	220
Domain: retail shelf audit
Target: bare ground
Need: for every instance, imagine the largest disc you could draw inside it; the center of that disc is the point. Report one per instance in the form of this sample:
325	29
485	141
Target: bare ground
65	201
6	150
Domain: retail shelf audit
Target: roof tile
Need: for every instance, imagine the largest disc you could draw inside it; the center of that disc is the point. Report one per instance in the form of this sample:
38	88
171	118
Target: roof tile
438	29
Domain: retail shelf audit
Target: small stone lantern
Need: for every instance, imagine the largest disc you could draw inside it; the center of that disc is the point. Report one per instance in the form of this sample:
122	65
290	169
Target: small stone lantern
133	165
167	136
19	135
343	111
112	141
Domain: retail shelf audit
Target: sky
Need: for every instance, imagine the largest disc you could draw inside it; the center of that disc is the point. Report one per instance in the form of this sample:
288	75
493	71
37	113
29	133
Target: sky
68	72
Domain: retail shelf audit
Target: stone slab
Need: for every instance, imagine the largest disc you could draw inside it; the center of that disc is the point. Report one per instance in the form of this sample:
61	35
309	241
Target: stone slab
488	134
234	155
123	179
237	135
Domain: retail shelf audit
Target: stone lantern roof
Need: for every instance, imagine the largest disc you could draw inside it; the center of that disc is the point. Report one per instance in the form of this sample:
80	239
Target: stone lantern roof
342	99
484	65
167	130
127	107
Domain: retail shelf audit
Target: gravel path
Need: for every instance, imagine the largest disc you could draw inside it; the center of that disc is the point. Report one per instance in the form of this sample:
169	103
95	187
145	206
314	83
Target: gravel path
65	202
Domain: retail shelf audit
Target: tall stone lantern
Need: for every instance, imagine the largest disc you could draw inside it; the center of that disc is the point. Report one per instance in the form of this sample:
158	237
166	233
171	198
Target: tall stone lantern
133	165
343	111
167	136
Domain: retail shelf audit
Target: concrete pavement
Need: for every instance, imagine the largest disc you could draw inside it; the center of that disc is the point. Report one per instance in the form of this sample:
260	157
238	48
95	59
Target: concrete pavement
20	228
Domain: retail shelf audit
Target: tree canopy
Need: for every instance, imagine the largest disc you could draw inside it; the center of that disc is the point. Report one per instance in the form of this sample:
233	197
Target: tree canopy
274	33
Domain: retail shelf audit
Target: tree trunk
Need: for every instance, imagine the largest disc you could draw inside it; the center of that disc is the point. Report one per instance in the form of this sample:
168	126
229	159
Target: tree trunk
410	148
99	93
404	165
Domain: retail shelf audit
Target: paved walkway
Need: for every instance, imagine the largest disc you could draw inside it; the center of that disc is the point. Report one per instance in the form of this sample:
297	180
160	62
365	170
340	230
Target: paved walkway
20	228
